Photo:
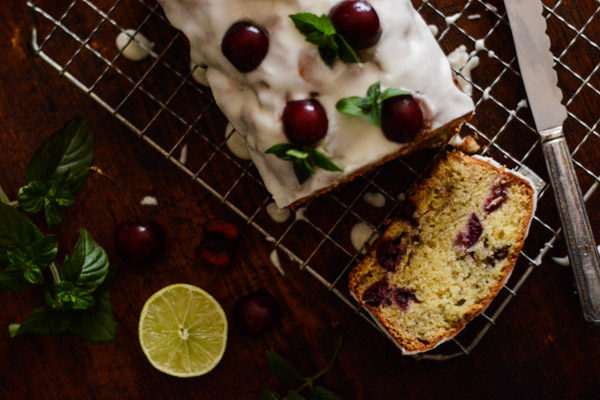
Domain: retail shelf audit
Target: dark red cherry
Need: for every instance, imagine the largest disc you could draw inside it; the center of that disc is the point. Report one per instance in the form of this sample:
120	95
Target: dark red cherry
256	312
305	121
401	118
139	243
357	22
245	45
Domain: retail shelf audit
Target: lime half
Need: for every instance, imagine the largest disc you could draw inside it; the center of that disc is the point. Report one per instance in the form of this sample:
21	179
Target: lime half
183	331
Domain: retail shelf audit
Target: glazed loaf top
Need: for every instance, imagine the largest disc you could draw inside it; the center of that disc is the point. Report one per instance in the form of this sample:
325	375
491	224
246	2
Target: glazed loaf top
407	56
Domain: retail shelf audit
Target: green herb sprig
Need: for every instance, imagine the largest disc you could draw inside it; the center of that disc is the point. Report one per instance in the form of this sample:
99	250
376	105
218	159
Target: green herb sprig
304	159
321	32
290	376
369	106
77	298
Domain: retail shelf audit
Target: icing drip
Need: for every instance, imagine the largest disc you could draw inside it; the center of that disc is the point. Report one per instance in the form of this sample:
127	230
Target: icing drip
277	214
461	61
374	199
236	143
359	234
135	49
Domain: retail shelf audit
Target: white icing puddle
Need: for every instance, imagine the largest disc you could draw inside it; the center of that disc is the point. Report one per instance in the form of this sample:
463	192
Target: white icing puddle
374	199
462	62
199	74
134	46
236	143
279	215
452	18
183	156
434	30
149	201
274	257
359	234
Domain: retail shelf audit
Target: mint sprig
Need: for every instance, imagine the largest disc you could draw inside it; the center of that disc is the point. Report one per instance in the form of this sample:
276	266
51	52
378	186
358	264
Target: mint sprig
57	171
369	106
321	32
304	159
290	376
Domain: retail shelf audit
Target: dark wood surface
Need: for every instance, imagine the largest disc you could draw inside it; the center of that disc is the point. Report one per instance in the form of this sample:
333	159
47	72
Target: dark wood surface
540	347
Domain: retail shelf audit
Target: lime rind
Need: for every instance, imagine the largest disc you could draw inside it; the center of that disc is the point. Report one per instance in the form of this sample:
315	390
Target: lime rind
183	331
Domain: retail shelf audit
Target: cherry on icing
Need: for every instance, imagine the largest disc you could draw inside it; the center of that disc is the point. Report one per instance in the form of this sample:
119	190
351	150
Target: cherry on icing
357	21
245	45
305	121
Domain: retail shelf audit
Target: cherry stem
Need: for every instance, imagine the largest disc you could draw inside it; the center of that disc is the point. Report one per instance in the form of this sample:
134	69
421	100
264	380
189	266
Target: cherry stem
98	171
309	381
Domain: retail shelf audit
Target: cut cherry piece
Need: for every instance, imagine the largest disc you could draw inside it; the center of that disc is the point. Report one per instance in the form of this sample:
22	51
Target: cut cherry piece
305	121
390	253
377	294
471	236
139	243
256	312
497	197
403	297
245	45
401	118
219	242
357	21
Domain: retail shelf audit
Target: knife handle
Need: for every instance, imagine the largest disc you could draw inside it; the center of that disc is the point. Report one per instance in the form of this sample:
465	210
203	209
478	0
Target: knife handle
578	234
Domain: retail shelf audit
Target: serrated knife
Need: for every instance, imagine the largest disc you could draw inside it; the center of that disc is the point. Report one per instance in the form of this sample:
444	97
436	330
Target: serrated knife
528	28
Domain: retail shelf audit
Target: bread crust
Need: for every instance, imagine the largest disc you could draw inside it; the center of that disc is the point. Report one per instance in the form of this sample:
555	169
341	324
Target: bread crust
411	346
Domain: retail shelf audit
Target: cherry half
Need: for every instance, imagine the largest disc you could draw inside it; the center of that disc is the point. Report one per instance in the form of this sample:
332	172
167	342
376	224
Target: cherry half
256	312
357	21
401	118
305	121
245	45
139	243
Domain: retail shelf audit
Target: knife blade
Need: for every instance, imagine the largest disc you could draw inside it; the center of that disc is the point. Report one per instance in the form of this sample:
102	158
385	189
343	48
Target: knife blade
532	45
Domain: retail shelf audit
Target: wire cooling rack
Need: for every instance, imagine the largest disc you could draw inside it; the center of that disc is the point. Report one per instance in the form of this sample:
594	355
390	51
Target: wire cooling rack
158	99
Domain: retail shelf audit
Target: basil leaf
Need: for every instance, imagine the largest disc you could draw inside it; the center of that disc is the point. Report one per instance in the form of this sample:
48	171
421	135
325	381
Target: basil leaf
87	265
71	150
320	393
283	370
293	395
350	106
67	296
3	197
267	394
346	52
328	55
374	116
301	155
33	274
374	91
96	324
44	250
391	92
308	23
15	229
42	321
324	162
302	174
31	197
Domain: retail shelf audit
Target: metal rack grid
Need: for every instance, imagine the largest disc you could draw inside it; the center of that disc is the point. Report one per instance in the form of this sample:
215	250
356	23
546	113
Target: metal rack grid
161	103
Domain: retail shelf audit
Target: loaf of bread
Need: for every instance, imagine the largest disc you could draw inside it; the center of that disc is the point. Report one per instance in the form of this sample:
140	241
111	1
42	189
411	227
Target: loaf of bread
259	64
429	274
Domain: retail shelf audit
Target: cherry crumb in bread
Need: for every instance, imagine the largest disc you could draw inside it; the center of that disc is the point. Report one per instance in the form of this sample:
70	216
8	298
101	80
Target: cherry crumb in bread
256	312
139	243
357	21
305	121
245	45
401	118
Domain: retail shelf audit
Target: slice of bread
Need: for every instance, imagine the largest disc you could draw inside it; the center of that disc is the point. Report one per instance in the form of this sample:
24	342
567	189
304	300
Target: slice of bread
427	276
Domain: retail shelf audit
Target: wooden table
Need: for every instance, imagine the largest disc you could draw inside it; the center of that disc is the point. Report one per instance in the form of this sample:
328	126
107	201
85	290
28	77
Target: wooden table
540	347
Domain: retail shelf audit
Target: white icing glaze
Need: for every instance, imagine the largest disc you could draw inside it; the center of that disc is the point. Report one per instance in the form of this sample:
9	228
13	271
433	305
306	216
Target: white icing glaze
359	234
199	73
279	215
480	44
407	56
491	53
522	104
491	7
149	201
474	16
135	49
456	140
401	197
236	143
464	63
374	199
434	29
183	156
274	257
452	18
486	93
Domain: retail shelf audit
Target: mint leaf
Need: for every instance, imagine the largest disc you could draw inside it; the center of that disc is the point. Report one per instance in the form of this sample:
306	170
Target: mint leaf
321	32
31	197
295	153
33	275
320	393
42	321
283	370
16	230
67	296
87	265
301	172
71	149
3	197
369	106
280	149
267	394
323	162
96	324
